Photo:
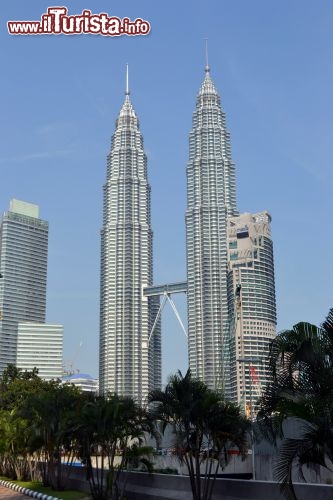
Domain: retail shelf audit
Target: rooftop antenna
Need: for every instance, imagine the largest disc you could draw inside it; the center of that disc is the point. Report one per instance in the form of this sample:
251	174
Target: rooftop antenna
207	68
127	92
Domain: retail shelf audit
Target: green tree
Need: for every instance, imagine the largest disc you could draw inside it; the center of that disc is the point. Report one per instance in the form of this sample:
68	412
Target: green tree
301	361
14	445
16	385
17	458
205	425
53	412
109	433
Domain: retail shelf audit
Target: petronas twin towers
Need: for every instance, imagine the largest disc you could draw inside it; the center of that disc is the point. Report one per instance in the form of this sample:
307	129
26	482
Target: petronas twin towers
129	363
211	198
130	333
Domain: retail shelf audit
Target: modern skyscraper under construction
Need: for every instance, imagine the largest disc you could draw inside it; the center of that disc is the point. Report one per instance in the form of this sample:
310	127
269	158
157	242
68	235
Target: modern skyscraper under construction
251	304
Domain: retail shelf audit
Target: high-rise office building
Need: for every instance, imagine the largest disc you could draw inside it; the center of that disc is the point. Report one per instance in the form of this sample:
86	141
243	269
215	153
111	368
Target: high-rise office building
129	364
23	268
40	345
251	304
211	198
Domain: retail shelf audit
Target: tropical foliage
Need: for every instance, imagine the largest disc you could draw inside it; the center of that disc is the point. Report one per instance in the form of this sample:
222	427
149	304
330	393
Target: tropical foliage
44	425
17	452
48	422
52	413
301	361
205	428
109	429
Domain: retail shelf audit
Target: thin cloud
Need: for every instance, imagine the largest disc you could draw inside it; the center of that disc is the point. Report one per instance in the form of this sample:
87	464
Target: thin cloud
41	155
316	170
49	128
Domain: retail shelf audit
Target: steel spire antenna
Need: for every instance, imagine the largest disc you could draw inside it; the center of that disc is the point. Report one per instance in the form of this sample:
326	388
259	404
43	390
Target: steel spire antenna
207	68
127	92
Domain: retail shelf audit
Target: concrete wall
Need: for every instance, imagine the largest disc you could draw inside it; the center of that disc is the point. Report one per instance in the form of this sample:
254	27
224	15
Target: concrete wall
235	466
161	487
266	455
142	486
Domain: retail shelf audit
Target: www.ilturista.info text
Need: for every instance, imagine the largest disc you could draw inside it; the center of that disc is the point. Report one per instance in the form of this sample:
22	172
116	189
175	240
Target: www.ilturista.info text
56	22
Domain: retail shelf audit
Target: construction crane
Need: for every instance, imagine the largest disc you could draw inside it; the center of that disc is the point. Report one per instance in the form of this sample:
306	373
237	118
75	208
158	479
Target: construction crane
69	369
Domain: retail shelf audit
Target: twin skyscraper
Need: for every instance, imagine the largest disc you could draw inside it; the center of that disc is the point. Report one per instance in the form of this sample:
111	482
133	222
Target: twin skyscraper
230	271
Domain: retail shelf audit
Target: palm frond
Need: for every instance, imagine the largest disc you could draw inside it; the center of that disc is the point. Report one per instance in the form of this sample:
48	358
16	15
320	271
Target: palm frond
301	362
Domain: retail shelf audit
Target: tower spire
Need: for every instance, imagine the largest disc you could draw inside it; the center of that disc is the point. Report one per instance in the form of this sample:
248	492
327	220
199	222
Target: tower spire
127	92
207	68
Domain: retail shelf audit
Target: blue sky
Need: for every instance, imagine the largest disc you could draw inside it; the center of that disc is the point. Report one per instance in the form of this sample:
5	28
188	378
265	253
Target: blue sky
60	95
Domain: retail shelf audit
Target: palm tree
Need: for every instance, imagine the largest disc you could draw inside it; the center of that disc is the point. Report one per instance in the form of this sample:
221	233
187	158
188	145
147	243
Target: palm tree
205	427
14	445
301	361
109	427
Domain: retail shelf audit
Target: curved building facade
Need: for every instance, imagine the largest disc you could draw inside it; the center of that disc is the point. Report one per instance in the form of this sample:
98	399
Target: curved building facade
252	305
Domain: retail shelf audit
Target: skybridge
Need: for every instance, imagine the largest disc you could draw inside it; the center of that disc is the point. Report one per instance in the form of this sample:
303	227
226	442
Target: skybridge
180	286
166	291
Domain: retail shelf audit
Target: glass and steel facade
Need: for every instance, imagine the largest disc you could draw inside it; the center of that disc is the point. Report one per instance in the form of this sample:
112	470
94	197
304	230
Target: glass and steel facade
129	364
23	267
211	198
